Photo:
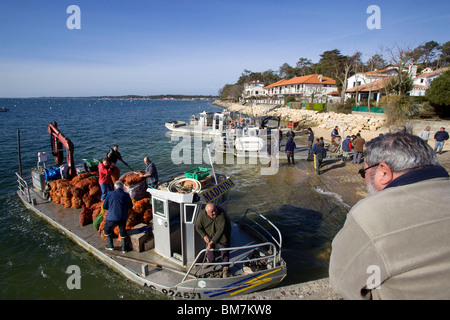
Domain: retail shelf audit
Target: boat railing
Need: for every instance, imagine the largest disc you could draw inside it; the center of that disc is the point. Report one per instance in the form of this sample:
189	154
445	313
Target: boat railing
23	187
274	248
259	227
200	262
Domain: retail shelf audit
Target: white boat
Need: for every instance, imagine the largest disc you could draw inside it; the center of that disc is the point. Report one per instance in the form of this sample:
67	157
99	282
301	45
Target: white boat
205	123
248	137
172	261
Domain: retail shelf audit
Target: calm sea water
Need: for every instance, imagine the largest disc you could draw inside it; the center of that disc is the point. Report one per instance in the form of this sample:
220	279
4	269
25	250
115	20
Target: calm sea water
34	256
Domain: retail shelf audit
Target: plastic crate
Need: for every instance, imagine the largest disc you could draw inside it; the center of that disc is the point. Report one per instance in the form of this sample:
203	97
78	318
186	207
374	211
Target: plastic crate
197	173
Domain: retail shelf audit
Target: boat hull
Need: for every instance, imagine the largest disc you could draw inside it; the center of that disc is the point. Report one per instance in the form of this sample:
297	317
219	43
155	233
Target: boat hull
183	127
162	276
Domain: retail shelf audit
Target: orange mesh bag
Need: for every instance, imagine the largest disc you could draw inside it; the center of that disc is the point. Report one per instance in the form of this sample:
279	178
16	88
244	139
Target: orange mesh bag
142	205
133	219
83	184
53	185
77	192
94	190
148	216
130	179
62	183
76	202
88	200
66	191
85	216
115	174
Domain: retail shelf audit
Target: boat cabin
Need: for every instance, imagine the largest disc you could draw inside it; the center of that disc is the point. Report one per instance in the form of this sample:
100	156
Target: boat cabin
176	204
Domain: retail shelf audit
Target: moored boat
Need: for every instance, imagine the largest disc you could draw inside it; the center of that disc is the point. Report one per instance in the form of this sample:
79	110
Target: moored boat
168	255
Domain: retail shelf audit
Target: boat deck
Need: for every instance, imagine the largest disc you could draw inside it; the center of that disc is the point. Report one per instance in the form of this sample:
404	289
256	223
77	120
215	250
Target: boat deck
132	264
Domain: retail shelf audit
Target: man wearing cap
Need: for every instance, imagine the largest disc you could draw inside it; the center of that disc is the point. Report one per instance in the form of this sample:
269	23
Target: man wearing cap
347	147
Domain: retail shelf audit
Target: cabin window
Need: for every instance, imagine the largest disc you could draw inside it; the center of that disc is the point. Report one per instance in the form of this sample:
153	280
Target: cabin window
159	208
189	213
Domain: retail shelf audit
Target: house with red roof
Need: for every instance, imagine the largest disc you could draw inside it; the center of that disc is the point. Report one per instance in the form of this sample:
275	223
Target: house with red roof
311	87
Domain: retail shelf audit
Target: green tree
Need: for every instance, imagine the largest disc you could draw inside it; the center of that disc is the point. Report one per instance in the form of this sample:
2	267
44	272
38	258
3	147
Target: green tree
304	67
439	91
444	57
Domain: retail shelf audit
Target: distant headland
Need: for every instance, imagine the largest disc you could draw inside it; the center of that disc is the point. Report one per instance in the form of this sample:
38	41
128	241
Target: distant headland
158	97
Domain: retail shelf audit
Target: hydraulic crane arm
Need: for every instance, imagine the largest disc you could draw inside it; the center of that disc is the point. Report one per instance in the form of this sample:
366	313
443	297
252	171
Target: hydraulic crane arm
58	141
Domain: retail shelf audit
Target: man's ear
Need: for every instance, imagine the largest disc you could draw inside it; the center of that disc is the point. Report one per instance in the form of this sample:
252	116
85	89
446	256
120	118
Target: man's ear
384	175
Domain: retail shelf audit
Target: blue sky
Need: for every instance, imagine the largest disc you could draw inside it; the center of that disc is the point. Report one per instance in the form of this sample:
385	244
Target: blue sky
189	47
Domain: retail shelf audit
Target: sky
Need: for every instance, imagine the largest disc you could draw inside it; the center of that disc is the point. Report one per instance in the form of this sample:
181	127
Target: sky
191	47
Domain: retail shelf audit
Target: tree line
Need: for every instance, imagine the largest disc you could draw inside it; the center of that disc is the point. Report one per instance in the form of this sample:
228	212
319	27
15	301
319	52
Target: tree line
340	67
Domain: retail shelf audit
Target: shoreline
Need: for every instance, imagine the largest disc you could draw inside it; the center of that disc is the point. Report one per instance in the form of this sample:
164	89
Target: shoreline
369	125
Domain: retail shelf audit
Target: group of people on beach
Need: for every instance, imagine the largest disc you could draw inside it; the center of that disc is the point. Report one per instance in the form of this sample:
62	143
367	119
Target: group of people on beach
439	137
351	144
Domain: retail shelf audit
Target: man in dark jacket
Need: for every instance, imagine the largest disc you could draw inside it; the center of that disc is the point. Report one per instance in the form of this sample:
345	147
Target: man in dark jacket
290	147
117	203
440	137
215	228
319	154
310	139
358	148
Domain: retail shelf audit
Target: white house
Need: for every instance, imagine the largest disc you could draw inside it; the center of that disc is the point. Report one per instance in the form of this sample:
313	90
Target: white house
311	87
365	85
422	81
253	88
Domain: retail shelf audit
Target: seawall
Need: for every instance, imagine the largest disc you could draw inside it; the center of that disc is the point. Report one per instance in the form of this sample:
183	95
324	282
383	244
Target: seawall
354	123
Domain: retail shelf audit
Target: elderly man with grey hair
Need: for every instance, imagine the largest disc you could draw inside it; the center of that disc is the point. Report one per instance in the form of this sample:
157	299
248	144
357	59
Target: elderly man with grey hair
395	243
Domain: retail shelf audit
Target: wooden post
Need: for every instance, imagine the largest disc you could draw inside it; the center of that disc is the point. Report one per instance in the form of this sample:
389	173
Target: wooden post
19	152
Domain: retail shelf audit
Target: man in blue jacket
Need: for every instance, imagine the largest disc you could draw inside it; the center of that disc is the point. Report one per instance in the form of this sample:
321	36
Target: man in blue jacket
290	147
440	137
117	203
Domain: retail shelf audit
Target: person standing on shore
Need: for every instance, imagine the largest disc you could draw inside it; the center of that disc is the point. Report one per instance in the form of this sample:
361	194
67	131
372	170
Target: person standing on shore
290	134
319	154
425	134
280	137
290	149
440	137
358	148
394	243
310	139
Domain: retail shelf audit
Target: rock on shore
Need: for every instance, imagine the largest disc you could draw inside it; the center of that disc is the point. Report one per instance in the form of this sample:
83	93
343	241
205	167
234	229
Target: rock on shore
354	123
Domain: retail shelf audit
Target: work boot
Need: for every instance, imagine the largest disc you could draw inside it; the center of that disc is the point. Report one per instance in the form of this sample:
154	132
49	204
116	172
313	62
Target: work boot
109	243
124	245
